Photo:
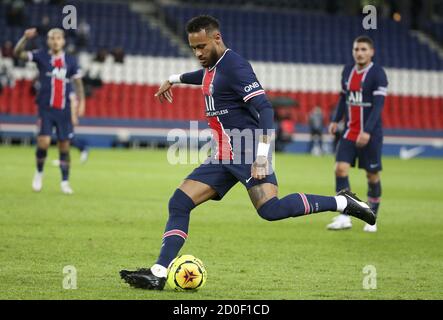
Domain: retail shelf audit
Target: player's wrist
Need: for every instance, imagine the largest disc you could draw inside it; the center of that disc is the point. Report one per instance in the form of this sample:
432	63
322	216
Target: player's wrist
174	78
263	149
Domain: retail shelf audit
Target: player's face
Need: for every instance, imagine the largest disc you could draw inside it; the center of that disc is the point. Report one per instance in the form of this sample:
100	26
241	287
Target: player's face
205	47
56	41
362	53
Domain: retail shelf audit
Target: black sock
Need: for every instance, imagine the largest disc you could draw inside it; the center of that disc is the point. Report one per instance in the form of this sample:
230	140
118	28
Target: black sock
64	165
40	156
374	196
342	183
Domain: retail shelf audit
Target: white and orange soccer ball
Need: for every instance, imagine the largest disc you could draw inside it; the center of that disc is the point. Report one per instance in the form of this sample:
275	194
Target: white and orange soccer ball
186	272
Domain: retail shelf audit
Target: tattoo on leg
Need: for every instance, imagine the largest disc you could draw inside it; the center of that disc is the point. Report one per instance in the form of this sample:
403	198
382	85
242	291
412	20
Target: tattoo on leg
257	194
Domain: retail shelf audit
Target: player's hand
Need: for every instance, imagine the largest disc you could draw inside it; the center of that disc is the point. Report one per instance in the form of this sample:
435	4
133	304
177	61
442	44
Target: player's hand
164	92
362	139
333	128
259	168
30	33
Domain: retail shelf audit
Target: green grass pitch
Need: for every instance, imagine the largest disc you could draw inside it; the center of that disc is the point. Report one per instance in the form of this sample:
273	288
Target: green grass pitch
117	215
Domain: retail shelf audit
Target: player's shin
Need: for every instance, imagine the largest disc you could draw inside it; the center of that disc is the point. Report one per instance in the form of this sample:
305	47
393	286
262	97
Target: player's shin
64	165
295	205
176	231
342	183
374	195
40	156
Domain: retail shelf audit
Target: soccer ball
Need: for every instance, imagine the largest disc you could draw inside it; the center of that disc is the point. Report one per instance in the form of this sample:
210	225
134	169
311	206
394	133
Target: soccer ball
186	272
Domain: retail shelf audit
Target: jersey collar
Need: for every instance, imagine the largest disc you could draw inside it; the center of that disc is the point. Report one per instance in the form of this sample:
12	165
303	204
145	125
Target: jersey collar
61	54
211	68
365	69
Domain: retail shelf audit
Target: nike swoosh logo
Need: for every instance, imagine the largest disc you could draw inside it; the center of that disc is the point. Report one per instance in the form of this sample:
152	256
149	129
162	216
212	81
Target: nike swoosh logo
362	204
407	154
247	180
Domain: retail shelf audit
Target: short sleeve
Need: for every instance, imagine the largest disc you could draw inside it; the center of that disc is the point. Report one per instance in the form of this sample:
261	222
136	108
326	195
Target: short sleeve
244	82
35	55
76	71
343	81
195	77
381	83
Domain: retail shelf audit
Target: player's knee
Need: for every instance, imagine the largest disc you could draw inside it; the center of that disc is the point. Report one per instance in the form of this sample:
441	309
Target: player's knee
269	210
64	146
180	204
373	177
341	170
43	143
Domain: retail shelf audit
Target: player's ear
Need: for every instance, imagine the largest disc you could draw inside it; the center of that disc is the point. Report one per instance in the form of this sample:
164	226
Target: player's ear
217	37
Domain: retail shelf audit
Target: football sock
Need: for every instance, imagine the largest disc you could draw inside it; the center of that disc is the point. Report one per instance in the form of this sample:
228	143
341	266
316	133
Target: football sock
64	165
176	231
159	271
374	194
342	183
40	156
294	205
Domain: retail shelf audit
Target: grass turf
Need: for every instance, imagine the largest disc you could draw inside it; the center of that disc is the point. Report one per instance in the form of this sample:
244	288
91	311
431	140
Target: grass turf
117	215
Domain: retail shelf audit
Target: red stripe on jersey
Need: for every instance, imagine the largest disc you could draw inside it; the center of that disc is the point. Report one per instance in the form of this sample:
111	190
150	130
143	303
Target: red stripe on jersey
58	87
207	81
224	148
355	123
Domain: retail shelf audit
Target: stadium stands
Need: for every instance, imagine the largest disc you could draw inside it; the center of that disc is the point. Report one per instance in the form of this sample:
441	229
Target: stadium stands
294	55
267	35
112	25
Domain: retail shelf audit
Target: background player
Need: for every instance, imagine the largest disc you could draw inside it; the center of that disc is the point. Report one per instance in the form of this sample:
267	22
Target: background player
234	99
56	68
364	88
79	143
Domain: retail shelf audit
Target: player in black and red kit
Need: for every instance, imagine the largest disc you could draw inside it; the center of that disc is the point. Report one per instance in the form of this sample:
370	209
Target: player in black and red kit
235	104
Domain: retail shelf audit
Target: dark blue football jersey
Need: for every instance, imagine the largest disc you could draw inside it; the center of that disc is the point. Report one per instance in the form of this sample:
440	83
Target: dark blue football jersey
55	74
227	87
362	99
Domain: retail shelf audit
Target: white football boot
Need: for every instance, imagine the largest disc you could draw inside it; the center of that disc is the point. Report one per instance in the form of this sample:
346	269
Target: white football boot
37	182
369	228
84	156
340	222
66	188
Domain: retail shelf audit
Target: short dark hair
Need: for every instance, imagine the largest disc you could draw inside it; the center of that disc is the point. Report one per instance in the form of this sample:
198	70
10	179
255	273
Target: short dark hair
365	39
202	22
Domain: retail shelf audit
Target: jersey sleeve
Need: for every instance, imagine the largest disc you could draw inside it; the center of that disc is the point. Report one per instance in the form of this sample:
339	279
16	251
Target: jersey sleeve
35	55
75	71
381	83
195	77
380	92
341	106
244	81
